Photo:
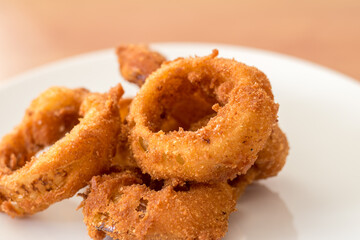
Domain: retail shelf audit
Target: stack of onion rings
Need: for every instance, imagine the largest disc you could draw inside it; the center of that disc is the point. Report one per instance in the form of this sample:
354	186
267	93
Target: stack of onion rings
176	157
129	205
125	206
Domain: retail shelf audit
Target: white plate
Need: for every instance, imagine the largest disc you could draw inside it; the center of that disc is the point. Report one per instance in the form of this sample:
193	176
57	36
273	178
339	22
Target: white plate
316	196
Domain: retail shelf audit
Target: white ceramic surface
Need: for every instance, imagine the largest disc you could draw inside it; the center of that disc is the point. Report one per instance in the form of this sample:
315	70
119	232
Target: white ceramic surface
316	196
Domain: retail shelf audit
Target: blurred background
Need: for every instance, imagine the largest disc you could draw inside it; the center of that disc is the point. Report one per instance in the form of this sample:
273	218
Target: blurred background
36	32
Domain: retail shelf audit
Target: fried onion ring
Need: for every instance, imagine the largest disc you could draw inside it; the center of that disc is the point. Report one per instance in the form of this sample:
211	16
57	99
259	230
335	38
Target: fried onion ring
237	96
137	62
124	206
68	164
48	118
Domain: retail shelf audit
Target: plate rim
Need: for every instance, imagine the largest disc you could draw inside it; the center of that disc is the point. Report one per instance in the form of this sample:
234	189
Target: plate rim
78	58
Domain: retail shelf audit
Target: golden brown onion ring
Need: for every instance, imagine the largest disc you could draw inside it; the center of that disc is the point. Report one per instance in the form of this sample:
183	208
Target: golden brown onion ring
69	164
49	116
241	101
137	62
123	207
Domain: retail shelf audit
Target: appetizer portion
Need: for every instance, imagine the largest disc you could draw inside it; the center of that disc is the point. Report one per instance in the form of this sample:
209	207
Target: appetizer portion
168	164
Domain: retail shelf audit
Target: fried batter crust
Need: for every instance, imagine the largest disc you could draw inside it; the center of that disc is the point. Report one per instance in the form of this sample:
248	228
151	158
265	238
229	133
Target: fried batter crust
137	62
272	157
270	160
49	116
123	207
70	163
228	144
123	158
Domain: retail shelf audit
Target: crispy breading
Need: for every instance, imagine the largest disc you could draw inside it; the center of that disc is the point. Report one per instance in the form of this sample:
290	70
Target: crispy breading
122	206
69	164
52	114
137	62
237	96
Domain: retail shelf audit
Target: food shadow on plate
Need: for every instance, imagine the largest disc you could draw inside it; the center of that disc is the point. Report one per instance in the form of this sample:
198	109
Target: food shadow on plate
61	212
261	214
61	219
64	211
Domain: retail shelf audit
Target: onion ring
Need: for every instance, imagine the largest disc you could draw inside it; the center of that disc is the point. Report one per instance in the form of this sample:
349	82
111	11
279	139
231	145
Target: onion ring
137	62
69	164
241	101
123	207
48	118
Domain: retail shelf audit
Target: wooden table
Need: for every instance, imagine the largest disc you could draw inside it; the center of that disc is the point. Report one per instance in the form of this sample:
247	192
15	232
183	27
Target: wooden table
36	32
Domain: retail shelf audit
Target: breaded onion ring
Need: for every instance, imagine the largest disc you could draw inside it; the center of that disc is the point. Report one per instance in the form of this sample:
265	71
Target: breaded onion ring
237	96
49	116
137	62
69	164
123	207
